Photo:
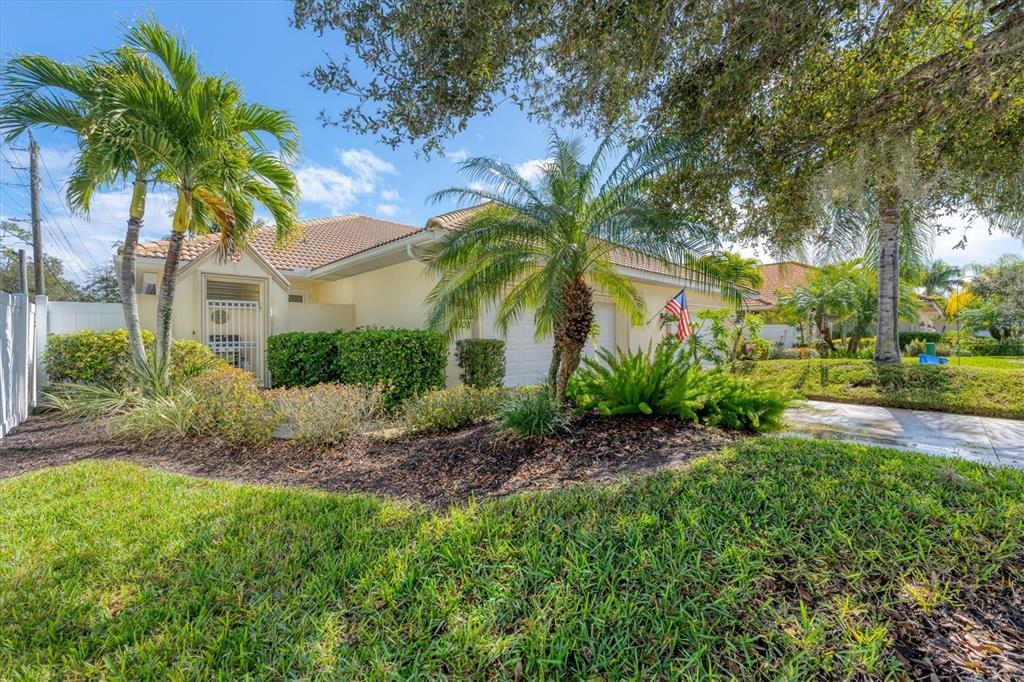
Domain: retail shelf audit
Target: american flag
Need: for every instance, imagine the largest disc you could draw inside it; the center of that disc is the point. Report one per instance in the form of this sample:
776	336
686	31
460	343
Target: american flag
677	307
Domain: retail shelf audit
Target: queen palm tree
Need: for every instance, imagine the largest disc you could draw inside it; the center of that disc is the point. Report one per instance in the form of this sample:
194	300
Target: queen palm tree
733	267
544	247
83	99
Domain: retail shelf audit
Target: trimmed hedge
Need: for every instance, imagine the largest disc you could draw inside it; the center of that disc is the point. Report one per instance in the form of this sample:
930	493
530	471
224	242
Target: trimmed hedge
303	358
946	388
104	357
482	362
407	362
980	345
907	337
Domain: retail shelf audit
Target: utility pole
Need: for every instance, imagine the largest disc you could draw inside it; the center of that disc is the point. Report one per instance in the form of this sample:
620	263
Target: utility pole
37	227
23	271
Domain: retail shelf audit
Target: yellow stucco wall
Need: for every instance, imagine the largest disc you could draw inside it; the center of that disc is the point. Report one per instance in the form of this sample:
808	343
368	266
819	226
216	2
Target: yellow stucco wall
393	296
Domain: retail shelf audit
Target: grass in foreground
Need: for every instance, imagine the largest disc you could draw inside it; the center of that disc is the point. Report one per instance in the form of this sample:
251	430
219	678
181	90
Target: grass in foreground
1013	363
776	558
947	388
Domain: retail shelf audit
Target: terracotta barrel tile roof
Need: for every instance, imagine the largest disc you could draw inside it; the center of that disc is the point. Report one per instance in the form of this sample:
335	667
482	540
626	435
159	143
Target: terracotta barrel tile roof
320	242
781	279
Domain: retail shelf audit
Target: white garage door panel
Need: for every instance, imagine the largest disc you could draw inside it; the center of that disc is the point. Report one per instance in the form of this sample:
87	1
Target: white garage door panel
526	360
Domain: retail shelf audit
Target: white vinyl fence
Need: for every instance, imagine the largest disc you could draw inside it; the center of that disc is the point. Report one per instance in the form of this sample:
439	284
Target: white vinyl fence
20	373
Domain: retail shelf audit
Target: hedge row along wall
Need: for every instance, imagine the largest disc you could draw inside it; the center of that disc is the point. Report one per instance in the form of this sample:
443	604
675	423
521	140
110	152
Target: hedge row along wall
408	362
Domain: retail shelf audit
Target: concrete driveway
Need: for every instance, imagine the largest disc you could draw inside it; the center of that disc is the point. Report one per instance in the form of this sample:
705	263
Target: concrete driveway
979	439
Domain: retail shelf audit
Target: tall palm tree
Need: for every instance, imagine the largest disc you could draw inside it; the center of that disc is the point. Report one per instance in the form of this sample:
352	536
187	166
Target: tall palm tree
939	278
210	146
858	228
83	99
544	247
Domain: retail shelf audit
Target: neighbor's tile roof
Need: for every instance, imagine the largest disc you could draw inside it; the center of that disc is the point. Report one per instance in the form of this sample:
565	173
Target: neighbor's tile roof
626	258
320	242
781	279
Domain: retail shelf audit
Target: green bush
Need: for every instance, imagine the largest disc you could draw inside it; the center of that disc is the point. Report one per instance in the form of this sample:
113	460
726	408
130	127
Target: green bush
104	358
452	408
326	414
90	357
914	348
230	405
979	345
303	358
407	362
907	337
658	383
482	361
532	414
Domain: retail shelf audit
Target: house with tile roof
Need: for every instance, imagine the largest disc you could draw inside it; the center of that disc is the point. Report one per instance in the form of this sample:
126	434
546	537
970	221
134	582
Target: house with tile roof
780	279
353	271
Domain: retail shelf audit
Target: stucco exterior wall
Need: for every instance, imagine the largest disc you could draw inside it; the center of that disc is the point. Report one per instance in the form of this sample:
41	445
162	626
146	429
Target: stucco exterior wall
656	296
393	296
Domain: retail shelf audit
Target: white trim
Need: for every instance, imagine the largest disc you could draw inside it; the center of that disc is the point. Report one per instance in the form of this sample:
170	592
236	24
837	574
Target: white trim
398	245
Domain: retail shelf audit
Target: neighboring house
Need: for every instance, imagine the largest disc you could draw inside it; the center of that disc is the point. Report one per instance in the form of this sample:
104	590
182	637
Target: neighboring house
354	271
930	316
780	279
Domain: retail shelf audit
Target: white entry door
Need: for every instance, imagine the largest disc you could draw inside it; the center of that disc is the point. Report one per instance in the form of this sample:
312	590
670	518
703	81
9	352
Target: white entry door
527	361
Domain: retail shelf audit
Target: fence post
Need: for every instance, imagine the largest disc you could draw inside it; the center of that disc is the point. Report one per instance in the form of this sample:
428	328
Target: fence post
39	345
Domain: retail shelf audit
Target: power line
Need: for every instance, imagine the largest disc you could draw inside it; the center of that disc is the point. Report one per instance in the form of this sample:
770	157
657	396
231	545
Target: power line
67	212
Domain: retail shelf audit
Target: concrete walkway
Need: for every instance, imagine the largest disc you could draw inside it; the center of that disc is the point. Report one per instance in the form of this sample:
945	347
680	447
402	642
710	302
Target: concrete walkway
979	439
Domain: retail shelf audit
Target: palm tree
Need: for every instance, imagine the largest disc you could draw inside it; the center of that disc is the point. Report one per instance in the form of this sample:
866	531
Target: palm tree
210	147
733	267
544	247
898	251
83	99
939	278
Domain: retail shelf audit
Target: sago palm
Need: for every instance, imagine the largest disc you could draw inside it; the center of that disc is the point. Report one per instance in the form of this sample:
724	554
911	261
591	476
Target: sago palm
210	147
542	247
82	99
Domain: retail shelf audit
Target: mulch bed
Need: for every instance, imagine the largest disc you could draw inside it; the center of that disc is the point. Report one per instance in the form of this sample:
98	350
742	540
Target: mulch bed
982	638
437	470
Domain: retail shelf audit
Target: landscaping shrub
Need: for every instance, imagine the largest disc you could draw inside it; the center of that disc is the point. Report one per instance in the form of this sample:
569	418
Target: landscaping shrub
914	348
161	414
303	358
230	405
482	361
948	388
104	358
532	414
327	414
657	383
452	408
979	345
90	357
407	362
907	337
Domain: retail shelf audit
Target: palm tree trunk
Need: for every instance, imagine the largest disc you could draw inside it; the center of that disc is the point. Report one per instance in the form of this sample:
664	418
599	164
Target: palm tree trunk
129	299
556	360
578	306
165	302
886	340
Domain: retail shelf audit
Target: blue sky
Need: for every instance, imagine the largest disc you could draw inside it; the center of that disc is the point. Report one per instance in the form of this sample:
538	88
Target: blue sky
339	172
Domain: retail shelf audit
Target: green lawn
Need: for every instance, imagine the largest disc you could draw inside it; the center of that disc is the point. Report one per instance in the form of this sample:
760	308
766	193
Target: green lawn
993	362
948	388
779	558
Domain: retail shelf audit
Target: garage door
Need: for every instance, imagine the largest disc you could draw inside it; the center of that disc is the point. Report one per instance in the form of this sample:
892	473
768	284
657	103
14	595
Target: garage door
526	360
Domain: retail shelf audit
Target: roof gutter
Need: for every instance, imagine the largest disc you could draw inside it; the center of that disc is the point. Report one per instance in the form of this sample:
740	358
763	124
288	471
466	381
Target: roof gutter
406	244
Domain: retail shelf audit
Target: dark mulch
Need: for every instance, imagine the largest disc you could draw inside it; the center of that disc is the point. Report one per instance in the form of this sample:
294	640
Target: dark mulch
436	469
982	638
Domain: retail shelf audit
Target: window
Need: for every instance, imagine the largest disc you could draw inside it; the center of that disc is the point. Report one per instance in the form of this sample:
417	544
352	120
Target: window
149	283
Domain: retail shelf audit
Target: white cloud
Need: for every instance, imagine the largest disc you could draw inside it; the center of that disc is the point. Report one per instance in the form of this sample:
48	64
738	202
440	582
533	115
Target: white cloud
390	195
458	156
532	170
337	190
388	210
478	186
